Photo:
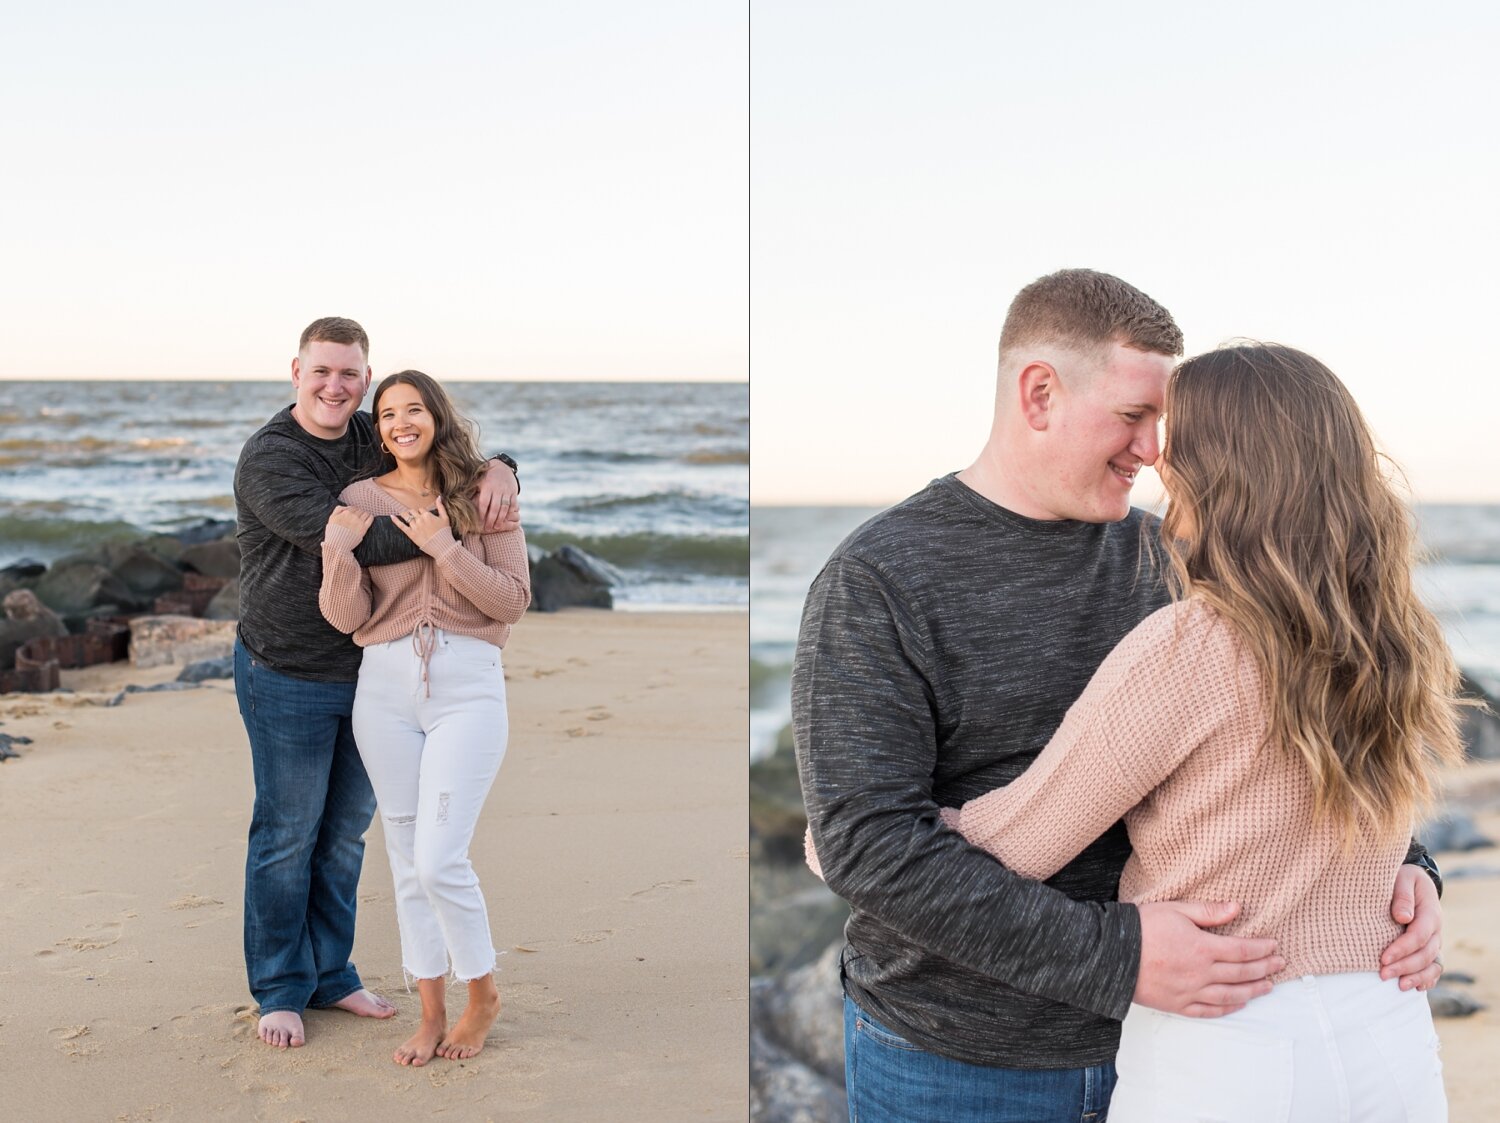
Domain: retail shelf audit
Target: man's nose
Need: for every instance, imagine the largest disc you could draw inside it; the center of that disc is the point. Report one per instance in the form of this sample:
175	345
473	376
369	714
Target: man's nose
1147	446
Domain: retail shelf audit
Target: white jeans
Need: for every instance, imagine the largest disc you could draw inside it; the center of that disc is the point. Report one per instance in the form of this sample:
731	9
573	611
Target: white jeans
1321	1049
431	761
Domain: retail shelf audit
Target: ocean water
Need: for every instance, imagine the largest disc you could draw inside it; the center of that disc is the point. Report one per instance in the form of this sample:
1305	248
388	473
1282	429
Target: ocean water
788	545
652	477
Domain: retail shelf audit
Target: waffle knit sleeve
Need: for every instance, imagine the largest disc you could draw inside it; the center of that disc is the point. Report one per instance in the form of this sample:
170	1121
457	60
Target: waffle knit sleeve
344	597
499	583
1157	697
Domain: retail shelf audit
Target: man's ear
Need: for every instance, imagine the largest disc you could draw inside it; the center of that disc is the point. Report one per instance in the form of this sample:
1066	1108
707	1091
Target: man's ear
1037	386
296	372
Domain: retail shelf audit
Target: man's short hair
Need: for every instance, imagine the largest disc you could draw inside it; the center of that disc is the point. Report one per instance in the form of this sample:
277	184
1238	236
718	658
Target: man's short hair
1084	309
334	329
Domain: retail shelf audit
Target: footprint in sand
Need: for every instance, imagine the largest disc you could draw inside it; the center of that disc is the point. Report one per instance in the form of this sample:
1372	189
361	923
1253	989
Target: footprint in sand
193	901
599	714
660	885
593	937
545	672
580	731
70	1041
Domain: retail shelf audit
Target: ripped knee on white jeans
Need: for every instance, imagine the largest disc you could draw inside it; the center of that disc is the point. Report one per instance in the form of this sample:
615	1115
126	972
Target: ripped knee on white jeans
400	820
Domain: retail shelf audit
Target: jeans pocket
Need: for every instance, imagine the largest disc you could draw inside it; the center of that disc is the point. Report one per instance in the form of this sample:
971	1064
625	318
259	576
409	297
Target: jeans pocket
877	1033
1408	1043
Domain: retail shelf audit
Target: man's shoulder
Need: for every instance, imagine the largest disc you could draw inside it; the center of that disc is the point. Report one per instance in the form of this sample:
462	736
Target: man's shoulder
925	517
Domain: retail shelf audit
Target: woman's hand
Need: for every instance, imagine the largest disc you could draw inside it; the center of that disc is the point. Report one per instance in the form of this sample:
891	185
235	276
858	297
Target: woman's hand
420	526
352	519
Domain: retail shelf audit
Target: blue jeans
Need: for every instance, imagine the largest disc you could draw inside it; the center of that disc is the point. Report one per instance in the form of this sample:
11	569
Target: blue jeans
313	804
890	1080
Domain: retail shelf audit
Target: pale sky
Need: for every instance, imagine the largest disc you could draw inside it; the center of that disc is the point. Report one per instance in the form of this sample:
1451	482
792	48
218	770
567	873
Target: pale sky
494	189
1322	175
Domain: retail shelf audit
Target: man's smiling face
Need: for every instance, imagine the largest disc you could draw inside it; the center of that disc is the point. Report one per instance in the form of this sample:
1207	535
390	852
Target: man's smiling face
1103	431
331	380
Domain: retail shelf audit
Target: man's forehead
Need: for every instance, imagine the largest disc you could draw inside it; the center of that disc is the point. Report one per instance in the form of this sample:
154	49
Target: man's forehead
324	354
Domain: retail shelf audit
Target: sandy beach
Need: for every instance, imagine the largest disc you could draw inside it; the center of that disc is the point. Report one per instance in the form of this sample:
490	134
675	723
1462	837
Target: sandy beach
1471	945
612	853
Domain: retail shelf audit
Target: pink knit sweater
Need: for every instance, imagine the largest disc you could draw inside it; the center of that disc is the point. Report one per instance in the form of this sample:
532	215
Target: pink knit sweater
1167	734
479	586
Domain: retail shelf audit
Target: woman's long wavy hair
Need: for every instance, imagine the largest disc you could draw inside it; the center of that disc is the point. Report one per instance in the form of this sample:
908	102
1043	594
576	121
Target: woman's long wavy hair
457	466
1283	519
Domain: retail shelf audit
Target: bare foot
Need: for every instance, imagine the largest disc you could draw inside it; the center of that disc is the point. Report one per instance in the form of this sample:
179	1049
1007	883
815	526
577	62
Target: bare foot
366	1005
283	1029
467	1038
419	1047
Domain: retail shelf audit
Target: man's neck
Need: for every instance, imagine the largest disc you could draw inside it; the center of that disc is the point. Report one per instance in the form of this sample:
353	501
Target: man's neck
1000	479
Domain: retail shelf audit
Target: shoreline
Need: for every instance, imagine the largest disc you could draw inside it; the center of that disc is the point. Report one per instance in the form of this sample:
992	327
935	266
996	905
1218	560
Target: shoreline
622	974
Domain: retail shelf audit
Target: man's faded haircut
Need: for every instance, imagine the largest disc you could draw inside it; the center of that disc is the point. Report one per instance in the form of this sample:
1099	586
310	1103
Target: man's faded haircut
1086	310
334	329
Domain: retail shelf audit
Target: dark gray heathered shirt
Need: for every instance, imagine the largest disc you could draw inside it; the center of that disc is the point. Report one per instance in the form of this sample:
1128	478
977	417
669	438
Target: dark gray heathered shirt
940	647
286	485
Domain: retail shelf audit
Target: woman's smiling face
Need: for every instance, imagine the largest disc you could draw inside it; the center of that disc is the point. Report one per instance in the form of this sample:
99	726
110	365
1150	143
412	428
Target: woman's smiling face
406	424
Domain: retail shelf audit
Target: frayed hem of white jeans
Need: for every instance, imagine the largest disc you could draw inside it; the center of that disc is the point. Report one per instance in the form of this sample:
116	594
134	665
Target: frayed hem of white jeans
409	976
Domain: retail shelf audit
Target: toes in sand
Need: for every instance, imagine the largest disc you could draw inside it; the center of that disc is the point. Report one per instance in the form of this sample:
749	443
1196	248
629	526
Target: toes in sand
466	1039
419	1048
283	1029
366	1005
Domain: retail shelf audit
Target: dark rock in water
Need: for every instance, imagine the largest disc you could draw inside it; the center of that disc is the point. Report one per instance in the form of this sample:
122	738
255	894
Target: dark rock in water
220	558
1462	977
568	576
207	530
137	688
81	585
776	799
793	916
1447	1003
1481	728
23	569
1453	830
1462	873
26	619
7	740
206	669
797	1044
784	1090
226	603
803	1012
145	574
163	546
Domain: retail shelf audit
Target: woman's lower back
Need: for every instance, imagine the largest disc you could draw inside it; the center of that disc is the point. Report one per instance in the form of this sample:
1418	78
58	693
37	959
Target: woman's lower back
1345	1048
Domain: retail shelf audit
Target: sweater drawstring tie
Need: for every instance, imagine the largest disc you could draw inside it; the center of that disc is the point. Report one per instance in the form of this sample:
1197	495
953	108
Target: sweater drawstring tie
424	643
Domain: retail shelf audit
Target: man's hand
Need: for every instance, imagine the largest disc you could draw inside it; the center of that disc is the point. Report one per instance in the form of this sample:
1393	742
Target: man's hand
1185	970
352	519
499	499
1413	955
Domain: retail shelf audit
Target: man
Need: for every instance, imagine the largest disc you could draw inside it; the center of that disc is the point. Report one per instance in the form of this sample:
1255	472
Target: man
940	647
295	677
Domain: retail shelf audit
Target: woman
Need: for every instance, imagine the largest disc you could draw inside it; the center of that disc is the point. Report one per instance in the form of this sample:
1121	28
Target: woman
429	709
1268	739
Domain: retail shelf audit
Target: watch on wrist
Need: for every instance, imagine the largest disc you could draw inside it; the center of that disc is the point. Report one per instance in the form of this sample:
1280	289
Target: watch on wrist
510	462
1426	863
